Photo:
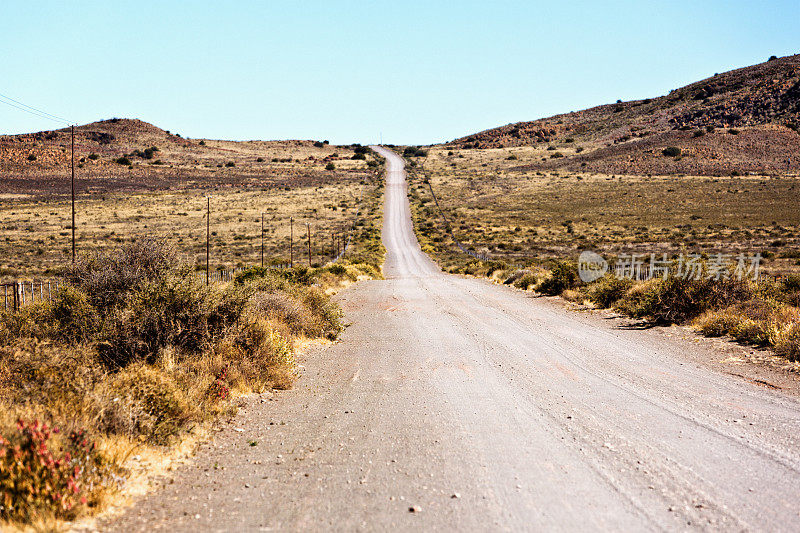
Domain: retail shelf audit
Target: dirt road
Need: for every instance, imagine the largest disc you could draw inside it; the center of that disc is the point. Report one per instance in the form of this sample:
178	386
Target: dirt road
480	407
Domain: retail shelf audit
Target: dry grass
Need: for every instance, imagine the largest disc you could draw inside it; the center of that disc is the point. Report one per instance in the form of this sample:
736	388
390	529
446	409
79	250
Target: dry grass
36	236
534	224
527	217
117	204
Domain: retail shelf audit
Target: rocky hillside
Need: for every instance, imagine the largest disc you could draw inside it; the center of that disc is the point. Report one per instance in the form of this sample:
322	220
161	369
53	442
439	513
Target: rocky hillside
745	120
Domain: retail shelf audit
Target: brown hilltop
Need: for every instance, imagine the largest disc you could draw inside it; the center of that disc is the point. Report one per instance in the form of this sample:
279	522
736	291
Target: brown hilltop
133	154
745	120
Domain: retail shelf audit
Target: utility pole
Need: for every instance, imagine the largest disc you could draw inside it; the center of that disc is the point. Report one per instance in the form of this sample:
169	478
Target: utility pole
262	239
291	242
308	232
208	240
72	130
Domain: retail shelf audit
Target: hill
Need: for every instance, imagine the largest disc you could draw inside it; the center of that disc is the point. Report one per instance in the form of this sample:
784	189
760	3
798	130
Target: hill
133	154
741	121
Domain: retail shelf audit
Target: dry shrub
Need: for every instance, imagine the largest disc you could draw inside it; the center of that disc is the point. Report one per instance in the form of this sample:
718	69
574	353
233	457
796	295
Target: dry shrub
327	315
639	298
787	342
30	321
369	270
308	312
34	373
108	277
677	300
281	306
717	323
526	281
756	321
257	355
573	295
139	348
74	318
516	275
146	403
166	312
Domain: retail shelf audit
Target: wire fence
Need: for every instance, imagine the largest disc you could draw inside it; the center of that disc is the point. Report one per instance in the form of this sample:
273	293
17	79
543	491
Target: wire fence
353	229
19	293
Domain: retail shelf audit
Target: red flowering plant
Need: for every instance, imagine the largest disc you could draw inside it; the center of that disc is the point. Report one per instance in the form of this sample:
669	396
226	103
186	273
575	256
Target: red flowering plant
219	390
35	478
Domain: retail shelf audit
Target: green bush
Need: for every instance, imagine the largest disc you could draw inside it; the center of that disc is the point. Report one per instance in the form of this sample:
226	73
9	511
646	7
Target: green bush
123	161
608	290
563	276
677	300
173	311
671	151
337	270
526	281
74	317
330	166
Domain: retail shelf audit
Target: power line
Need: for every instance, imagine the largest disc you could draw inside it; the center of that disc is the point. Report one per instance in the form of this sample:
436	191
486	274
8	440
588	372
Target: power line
32	110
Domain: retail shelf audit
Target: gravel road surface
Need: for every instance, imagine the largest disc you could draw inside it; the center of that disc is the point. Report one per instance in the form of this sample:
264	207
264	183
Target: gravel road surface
453	404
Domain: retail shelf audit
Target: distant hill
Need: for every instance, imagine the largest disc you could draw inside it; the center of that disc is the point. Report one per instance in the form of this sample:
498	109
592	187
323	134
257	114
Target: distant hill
745	120
133	154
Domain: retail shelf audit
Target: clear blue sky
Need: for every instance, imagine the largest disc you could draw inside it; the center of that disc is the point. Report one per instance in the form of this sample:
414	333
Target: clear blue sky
420	72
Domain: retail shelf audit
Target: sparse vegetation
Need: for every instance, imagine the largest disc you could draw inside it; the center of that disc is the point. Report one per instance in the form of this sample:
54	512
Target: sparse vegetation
151	351
671	151
524	218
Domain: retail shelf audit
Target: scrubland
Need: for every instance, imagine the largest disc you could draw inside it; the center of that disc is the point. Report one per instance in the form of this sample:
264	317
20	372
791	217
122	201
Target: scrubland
135	356
530	227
